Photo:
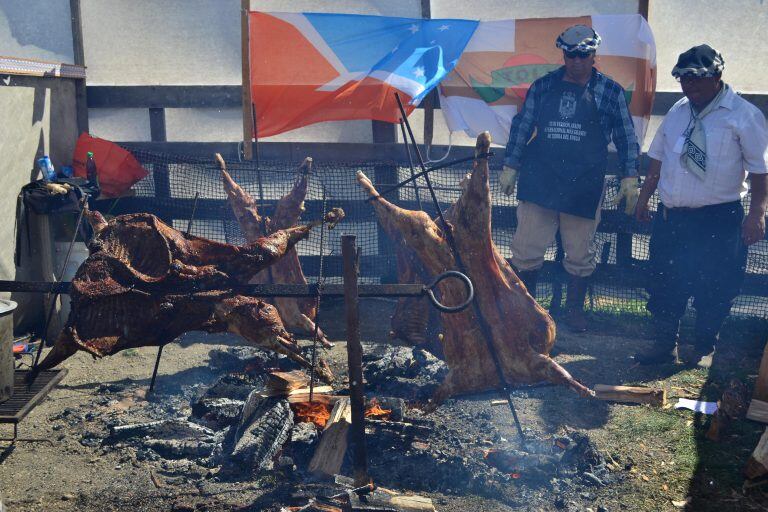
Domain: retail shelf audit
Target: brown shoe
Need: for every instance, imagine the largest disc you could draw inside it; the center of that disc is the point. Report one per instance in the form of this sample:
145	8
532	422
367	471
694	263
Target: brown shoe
574	304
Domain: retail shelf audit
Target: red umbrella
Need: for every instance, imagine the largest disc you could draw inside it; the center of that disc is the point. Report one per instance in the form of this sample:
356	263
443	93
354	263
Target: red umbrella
117	169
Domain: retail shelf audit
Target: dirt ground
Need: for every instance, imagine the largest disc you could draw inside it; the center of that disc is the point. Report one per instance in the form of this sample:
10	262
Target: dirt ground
663	461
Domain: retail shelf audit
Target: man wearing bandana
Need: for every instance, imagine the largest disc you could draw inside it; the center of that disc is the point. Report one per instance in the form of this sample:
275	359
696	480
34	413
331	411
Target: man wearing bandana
559	143
709	143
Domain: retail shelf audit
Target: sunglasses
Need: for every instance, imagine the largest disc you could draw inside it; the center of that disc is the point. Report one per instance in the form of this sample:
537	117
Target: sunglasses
577	55
688	79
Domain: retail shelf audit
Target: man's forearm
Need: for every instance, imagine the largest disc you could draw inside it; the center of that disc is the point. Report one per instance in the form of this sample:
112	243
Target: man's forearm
651	181
758	186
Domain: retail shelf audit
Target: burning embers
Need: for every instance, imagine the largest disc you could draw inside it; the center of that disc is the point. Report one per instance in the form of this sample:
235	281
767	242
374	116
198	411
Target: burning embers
320	412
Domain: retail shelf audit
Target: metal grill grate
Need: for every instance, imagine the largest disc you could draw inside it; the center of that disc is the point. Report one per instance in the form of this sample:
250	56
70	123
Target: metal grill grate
26	397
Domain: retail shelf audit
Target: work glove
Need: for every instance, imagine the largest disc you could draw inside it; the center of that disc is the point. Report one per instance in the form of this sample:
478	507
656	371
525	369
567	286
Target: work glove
507	180
629	191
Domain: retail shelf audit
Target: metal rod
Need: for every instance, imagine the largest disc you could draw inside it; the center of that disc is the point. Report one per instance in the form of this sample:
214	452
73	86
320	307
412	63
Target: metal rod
410	165
192	215
56	294
157	365
316	333
160	348
354	360
253	290
425	169
485	328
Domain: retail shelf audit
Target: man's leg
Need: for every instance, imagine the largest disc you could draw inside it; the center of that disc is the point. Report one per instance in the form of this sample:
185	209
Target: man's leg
721	273
668	286
580	260
536	228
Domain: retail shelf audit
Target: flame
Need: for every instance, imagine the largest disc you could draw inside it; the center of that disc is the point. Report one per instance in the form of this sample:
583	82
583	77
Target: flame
315	412
376	412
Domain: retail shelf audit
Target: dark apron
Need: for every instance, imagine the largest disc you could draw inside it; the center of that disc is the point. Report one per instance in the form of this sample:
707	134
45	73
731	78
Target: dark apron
564	165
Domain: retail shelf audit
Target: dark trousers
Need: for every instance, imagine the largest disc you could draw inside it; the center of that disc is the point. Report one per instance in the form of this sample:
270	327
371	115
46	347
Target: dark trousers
695	253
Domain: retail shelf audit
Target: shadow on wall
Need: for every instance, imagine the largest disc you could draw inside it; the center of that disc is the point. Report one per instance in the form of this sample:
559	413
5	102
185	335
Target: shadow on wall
45	25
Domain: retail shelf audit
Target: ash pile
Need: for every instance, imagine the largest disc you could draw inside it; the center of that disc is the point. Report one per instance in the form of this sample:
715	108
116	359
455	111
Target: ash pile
255	422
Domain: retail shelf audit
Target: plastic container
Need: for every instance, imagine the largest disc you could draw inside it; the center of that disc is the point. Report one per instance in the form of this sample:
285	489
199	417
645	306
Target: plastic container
6	349
46	167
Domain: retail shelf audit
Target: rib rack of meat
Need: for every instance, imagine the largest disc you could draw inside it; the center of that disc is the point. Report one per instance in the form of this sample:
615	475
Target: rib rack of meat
298	315
145	284
523	333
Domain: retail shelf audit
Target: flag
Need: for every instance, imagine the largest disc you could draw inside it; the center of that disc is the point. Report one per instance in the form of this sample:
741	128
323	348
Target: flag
488	85
307	68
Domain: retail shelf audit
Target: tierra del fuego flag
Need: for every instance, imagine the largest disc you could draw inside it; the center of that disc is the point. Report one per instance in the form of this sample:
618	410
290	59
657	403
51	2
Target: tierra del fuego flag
488	85
306	68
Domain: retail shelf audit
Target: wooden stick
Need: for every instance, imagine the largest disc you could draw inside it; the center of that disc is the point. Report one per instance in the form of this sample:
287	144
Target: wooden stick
245	6
631	394
354	360
330	452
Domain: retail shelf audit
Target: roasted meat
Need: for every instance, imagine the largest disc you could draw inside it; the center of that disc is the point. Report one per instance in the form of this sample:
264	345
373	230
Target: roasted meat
145	284
297	314
522	332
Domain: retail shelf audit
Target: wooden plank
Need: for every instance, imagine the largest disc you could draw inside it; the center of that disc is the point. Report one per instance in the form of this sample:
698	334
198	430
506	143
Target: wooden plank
157	126
248	128
758	407
230	96
329	453
285	382
165	96
632	394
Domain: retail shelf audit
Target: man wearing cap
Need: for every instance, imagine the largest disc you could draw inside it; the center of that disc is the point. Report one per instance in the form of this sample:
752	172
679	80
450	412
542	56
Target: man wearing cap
559	143
708	144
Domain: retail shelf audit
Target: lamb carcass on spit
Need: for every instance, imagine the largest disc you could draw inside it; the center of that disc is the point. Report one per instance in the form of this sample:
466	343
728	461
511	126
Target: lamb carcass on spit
145	284
298	314
522	332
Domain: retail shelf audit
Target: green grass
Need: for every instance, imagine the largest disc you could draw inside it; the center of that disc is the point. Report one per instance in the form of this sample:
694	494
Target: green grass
130	352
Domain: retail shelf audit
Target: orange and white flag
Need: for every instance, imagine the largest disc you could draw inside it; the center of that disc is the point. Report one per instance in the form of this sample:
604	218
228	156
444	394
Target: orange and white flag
488	85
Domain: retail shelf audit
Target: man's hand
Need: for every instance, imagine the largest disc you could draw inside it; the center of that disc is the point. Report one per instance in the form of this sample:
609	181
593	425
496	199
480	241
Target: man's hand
641	212
629	191
753	228
507	180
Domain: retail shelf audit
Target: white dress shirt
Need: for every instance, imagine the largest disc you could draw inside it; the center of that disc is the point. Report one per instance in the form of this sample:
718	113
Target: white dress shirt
737	143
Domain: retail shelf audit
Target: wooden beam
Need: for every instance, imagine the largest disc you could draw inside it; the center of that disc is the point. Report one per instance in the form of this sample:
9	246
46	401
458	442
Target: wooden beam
165	96
631	394
354	360
248	128
230	96
81	91
431	99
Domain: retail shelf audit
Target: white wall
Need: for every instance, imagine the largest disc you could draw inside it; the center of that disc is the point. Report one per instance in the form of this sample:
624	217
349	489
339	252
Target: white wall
196	42
36	29
191	42
736	28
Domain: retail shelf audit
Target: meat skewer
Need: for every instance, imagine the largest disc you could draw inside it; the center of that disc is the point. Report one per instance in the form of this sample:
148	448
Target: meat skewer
522	332
297	314
145	284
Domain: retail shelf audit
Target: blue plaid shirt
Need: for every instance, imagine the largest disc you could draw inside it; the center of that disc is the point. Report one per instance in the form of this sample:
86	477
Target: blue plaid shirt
612	108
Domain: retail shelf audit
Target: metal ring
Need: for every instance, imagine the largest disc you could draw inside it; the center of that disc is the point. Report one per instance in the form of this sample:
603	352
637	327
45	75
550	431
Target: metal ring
445	275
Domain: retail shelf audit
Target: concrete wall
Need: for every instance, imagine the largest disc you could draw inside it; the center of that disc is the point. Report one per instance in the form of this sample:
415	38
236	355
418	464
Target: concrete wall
39	119
36	29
